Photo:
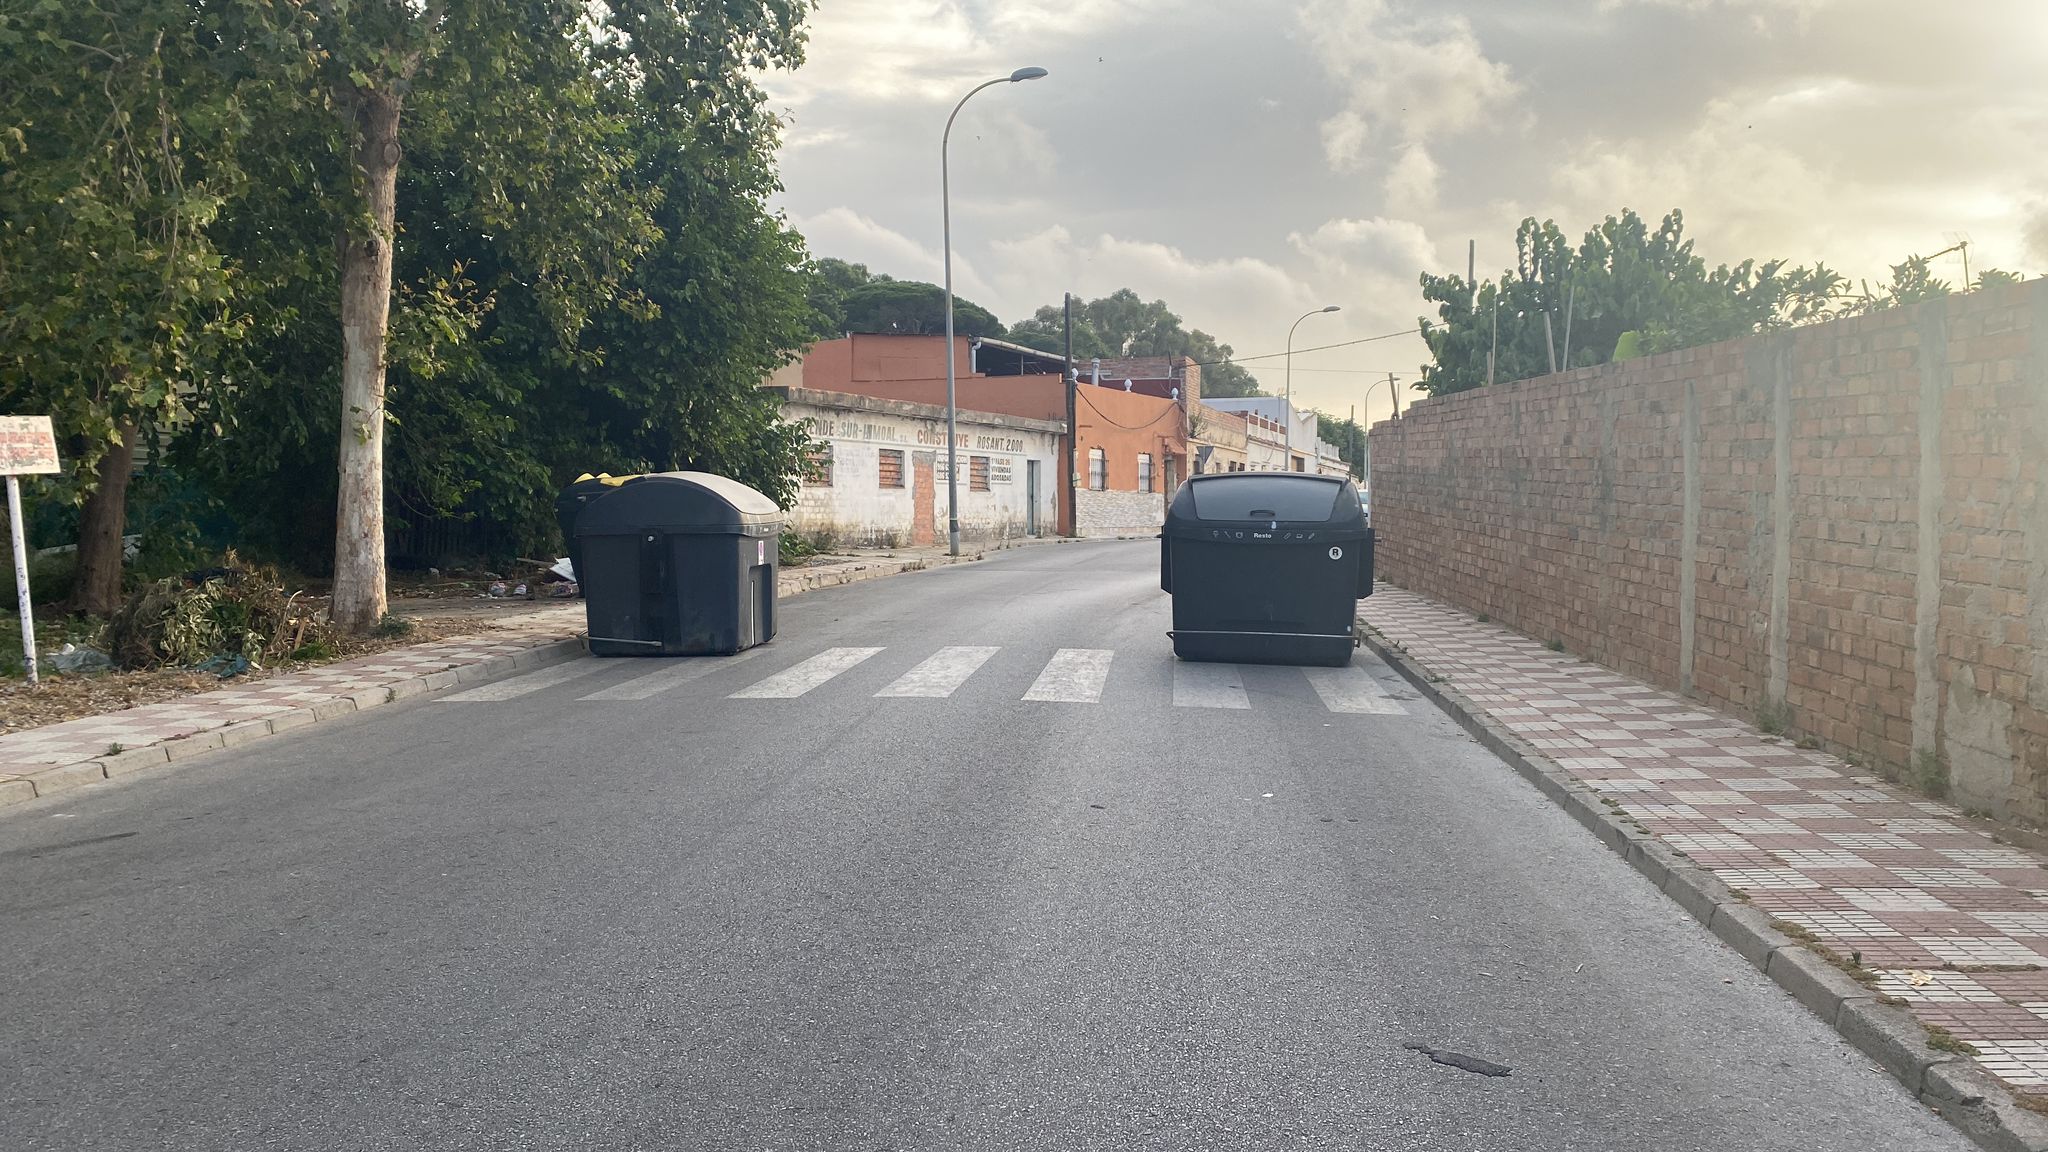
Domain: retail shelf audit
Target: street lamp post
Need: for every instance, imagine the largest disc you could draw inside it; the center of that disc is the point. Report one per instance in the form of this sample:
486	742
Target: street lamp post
1287	461
946	218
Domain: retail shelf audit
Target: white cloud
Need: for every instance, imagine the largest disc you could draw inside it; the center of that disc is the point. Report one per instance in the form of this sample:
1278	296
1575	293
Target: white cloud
933	51
1250	160
857	239
1342	244
1411	182
1812	168
1407	77
882	50
1761	7
1371	267
2035	240
1230	294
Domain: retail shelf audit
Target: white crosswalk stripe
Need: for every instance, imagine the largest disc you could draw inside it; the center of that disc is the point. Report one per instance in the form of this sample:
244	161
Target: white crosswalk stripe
938	677
1074	676
1208	686
1352	689
794	682
517	686
671	674
1070	676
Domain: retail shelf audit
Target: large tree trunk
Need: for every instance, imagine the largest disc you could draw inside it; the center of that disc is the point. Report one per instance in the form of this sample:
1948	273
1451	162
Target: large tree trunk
359	601
97	587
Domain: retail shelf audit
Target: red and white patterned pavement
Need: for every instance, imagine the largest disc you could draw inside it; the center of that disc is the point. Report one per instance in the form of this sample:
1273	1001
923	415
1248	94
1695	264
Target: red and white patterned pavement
22	754
1955	922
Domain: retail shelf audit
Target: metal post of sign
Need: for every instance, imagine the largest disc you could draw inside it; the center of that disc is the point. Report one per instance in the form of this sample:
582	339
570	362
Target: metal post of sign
28	613
28	447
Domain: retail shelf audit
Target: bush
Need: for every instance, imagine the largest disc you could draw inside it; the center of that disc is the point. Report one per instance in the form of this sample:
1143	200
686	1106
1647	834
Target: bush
232	612
313	650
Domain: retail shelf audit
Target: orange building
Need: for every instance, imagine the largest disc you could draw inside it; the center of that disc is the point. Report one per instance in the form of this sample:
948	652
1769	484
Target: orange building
1129	449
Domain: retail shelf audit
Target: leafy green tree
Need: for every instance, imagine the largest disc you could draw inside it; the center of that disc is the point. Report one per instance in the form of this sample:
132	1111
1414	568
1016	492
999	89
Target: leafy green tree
831	280
726	294
1348	436
600	290
120	124
885	305
849	298
506	89
1123	324
1913	282
1627	288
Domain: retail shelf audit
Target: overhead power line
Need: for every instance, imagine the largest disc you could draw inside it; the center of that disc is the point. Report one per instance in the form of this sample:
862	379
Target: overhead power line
1380	372
1300	351
1082	394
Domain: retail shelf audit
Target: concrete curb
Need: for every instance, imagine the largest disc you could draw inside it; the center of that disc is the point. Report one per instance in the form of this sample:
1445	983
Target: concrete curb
1949	1084
66	777
800	581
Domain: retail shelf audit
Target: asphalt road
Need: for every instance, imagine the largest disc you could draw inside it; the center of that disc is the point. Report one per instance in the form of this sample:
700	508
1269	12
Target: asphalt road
849	921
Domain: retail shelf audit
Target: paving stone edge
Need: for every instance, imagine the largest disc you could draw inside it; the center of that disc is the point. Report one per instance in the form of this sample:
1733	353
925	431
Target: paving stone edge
64	777
1954	1087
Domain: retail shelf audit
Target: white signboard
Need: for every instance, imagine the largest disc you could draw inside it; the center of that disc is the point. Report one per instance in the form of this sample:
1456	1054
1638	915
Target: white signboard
28	447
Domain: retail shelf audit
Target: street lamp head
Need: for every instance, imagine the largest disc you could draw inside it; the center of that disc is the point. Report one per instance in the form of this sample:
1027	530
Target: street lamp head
1331	308
1026	74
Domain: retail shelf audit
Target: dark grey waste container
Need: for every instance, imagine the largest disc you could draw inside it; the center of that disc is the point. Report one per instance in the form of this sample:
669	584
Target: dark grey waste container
569	505
679	564
1265	567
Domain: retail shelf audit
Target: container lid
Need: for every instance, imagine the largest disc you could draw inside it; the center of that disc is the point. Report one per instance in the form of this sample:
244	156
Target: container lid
1240	497
679	501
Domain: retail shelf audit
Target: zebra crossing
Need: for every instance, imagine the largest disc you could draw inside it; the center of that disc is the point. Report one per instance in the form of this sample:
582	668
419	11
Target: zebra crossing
1071	676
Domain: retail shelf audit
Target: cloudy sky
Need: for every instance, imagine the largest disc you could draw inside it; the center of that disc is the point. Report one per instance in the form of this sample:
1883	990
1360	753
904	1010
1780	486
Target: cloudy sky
1249	160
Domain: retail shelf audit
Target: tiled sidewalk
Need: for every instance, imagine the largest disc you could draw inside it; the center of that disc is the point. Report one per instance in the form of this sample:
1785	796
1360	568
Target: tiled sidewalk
1954	922
50	758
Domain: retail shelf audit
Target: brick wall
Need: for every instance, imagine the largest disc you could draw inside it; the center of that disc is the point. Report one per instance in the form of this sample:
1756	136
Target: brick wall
1842	529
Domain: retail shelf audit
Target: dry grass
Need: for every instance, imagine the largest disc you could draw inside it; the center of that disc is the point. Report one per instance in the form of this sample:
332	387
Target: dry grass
61	698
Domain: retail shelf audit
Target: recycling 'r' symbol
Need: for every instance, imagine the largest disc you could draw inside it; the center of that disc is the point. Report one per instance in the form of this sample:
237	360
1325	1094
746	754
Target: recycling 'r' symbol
1336	553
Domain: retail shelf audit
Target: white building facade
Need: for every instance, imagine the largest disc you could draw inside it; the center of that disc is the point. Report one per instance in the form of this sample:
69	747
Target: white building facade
877	477
1272	444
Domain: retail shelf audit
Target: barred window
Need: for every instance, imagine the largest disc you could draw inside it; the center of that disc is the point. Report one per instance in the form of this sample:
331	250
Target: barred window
1098	469
977	473
818	466
892	468
1144	471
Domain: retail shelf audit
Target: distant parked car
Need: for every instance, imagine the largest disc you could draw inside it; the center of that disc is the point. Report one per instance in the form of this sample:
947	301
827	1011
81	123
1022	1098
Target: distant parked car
1365	504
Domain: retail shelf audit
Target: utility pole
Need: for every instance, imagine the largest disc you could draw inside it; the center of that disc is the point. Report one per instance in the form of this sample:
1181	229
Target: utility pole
1354	437
1070	379
1495	349
1571	301
1549	343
